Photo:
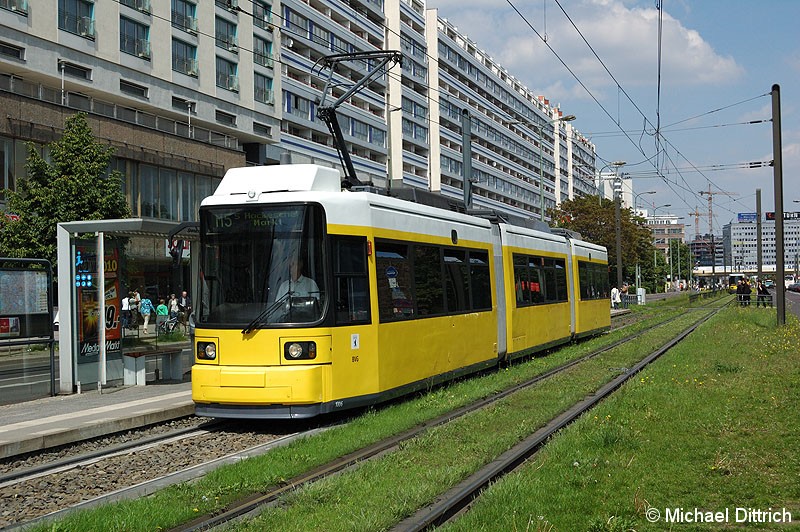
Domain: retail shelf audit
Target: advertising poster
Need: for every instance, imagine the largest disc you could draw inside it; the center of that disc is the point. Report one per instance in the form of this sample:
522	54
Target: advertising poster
87	297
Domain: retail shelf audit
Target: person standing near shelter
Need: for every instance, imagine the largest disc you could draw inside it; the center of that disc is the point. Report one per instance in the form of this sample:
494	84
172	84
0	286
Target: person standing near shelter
184	308
125	311
146	308
161	313
615	297
172	304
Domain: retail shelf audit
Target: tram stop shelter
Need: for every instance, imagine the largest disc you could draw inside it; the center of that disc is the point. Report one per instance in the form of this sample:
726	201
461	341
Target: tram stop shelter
98	343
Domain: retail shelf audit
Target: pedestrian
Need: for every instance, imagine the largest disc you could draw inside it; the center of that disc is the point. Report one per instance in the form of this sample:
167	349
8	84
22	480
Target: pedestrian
161	313
125	311
624	295
746	290
740	293
146	308
184	308
172	304
615	298
763	295
134	299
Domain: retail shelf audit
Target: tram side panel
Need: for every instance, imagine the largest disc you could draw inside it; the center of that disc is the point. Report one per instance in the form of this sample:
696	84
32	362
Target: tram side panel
591	286
433	288
536	290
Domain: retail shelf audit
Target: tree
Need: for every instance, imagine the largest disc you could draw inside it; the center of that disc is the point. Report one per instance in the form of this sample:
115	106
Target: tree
75	186
596	222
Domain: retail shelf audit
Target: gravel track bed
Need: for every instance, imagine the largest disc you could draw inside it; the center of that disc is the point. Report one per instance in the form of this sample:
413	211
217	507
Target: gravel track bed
47	456
31	499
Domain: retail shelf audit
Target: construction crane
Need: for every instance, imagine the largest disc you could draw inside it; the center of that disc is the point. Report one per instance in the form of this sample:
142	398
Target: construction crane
696	213
711	195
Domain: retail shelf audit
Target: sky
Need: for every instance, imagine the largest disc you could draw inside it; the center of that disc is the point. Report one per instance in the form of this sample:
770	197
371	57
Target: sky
709	95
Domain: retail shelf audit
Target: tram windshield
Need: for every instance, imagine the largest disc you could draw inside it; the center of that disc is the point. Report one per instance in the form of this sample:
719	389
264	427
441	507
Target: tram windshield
261	265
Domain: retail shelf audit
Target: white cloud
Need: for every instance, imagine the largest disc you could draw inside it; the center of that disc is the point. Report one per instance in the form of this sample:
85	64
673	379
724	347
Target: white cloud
625	38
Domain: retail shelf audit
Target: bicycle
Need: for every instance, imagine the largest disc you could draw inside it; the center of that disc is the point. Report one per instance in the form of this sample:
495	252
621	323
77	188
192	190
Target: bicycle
167	326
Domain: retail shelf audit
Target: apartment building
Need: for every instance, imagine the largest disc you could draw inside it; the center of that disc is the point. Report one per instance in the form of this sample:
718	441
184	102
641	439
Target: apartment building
184	90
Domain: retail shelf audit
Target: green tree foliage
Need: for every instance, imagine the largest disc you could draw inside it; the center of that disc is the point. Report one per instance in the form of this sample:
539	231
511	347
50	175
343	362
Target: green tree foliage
74	186
596	222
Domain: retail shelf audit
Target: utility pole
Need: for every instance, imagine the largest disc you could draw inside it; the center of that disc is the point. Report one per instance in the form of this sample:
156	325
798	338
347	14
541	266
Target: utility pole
759	248
466	154
777	172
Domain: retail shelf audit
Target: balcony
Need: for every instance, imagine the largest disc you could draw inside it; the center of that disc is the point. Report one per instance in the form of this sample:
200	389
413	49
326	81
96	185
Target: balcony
82	102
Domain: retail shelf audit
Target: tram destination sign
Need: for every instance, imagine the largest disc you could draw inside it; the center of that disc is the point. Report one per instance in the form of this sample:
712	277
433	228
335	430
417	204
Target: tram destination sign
233	220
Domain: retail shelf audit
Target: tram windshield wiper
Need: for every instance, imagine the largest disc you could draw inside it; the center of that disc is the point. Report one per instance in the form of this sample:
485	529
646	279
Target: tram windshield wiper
266	313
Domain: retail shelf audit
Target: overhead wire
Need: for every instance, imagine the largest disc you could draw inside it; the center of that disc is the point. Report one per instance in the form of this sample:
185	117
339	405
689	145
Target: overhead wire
657	132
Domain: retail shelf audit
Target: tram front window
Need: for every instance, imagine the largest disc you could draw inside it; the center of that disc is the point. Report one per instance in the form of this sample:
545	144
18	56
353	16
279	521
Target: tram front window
261	265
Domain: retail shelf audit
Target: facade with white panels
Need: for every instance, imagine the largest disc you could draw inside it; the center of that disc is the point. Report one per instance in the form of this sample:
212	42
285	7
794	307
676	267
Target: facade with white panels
740	241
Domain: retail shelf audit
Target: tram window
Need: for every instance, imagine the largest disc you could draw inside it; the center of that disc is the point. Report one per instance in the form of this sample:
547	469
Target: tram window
428	282
550	281
480	280
539	280
593	280
351	286
456	280
393	273
561	280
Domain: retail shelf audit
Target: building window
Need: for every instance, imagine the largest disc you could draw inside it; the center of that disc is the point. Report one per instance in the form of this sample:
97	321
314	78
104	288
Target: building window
226	118
297	106
226	75
17	6
184	105
184	15
139	5
226	35
132	88
262	52
262	14
184	58
134	38
263	89
10	50
261	129
76	16
76	71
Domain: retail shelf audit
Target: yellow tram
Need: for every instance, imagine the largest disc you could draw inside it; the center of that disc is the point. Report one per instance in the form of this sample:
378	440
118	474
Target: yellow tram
314	300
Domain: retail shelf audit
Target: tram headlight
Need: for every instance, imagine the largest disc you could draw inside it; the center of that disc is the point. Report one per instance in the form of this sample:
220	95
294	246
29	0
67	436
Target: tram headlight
294	350
206	350
300	350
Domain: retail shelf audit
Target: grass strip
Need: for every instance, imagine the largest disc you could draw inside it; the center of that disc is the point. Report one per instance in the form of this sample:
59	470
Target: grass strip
711	427
181	503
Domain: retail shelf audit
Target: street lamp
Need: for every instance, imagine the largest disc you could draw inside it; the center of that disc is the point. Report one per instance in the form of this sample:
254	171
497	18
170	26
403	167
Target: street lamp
540	130
655	249
636	198
618	164
617	201
635	212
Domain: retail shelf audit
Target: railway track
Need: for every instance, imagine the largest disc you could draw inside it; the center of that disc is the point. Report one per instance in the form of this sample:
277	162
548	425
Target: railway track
86	481
457	499
128	470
